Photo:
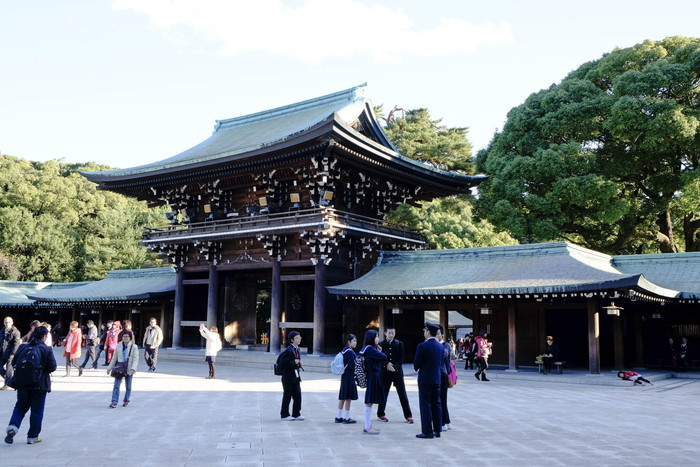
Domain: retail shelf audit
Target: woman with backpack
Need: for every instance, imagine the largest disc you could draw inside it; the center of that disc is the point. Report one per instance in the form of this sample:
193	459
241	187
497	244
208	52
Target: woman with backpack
348	388
373	361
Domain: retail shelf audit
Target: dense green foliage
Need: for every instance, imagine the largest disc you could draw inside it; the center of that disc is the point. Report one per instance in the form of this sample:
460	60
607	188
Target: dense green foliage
608	158
448	223
56	226
419	137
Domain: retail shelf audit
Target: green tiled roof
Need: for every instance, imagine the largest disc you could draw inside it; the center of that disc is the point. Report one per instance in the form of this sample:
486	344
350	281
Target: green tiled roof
127	285
679	271
520	269
15	293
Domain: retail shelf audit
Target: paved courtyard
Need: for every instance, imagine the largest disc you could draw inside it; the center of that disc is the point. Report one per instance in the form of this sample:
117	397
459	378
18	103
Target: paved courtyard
178	418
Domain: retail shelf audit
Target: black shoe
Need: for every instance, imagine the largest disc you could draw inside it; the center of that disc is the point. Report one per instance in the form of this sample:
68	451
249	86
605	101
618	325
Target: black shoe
339	420
437	435
349	421
476	375
423	436
484	378
80	371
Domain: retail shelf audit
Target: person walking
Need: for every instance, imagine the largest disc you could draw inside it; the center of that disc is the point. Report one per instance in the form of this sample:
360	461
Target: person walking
444	371
290	364
374	359
31	392
348	388
91	342
484	350
213	346
470	351
101	346
72	349
112	340
152	339
126	353
427	361
392	373
11	340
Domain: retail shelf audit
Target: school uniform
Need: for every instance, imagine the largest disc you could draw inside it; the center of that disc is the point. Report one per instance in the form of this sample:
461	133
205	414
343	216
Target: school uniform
348	387
428	361
291	382
374	394
394	352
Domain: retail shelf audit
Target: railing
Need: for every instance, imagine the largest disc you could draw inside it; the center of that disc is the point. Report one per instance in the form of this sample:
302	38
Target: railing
279	222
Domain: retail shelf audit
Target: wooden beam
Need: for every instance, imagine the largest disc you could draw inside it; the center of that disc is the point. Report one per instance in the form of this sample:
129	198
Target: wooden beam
593	337
296	324
195	282
275	308
298	277
512	337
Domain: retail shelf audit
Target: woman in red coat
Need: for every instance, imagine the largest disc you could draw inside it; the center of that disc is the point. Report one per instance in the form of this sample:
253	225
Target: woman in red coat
112	339
72	349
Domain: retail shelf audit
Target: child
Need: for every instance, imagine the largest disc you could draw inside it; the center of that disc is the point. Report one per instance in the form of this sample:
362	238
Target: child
213	347
633	376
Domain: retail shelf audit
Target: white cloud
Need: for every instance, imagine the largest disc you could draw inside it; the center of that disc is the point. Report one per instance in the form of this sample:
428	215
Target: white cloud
313	30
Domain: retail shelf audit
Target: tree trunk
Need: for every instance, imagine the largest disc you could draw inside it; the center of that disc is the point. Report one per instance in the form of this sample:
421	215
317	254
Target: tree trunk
691	232
665	234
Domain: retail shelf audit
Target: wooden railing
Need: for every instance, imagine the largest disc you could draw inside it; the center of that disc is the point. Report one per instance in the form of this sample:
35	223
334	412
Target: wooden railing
282	221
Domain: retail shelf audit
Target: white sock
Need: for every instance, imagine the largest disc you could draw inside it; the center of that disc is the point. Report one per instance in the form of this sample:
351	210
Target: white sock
368	416
339	414
346	414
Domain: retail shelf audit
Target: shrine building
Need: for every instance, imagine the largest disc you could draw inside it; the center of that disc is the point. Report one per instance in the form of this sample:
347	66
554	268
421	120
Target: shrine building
275	207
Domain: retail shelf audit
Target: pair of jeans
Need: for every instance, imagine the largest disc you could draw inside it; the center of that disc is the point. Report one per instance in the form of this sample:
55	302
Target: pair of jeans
117	385
27	399
151	356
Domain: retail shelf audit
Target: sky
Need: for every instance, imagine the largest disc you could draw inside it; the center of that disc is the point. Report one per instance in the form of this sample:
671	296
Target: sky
130	82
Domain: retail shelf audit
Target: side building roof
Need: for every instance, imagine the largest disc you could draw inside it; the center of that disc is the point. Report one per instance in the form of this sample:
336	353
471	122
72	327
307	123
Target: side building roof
680	271
121	286
15	294
543	268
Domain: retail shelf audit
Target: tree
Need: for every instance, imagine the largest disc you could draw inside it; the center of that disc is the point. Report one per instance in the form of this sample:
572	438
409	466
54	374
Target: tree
419	137
607	158
55	225
448	223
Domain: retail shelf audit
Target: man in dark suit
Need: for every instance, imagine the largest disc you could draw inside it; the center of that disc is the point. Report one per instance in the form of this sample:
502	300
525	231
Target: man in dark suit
427	362
393	374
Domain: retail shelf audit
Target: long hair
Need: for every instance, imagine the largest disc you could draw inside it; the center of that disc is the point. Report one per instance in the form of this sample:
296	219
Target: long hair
369	337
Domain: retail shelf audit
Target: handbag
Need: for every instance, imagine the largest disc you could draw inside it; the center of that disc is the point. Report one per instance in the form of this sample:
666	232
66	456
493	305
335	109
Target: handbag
120	369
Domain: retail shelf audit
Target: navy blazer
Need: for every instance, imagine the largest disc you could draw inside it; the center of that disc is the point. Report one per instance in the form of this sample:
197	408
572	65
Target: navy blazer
428	361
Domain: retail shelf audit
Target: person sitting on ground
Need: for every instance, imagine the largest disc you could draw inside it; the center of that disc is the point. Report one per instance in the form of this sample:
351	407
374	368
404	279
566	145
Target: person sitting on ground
633	376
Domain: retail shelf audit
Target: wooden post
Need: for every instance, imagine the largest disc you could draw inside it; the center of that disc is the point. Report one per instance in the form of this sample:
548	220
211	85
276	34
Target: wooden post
275	308
444	319
179	307
618	342
512	338
593	337
212	297
382	319
319	307
638	340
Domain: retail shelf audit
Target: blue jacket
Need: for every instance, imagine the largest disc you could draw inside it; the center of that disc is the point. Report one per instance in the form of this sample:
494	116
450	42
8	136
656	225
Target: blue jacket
428	360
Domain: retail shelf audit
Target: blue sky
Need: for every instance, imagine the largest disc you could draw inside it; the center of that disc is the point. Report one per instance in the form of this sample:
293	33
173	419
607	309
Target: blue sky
128	82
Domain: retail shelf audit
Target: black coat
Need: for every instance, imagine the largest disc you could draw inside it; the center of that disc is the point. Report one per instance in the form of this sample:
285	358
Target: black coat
429	359
48	362
11	339
394	352
289	375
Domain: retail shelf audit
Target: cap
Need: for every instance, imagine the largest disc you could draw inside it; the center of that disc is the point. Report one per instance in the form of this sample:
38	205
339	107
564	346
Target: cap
433	328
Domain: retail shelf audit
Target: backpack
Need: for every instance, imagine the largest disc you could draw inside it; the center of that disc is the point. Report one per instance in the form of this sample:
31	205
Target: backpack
360	373
452	375
338	364
28	368
277	367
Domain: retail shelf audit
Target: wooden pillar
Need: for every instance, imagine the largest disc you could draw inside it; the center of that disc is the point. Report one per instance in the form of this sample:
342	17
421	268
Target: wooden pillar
638	340
444	318
593	337
512	338
212	297
619	342
319	307
275	308
381	316
179	306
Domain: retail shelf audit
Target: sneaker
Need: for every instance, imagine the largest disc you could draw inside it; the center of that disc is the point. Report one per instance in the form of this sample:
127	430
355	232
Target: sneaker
383	418
409	420
348	421
444	428
33	440
299	418
287	419
113	405
11	432
125	403
371	431
338	420
447	426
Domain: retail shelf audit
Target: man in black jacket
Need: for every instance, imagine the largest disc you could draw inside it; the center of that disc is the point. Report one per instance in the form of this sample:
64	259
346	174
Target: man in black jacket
290	362
427	362
32	397
10	338
393	374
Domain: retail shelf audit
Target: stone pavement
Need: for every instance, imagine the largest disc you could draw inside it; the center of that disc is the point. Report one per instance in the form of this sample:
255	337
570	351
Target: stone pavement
178	418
